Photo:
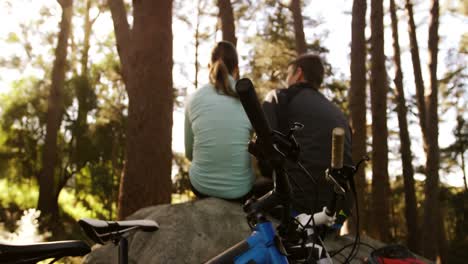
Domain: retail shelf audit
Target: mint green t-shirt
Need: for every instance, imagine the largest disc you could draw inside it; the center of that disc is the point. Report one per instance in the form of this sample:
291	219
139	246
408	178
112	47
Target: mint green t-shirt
217	132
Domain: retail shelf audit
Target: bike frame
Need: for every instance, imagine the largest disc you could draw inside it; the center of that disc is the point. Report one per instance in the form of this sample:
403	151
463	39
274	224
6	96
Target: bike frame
260	247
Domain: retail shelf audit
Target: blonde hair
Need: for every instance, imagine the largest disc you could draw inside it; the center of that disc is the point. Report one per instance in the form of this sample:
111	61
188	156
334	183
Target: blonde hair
224	62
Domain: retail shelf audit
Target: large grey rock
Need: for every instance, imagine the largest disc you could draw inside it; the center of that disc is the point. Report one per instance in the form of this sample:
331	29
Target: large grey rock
189	233
196	231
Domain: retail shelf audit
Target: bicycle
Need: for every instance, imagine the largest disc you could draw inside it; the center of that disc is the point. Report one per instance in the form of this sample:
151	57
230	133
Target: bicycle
296	240
98	231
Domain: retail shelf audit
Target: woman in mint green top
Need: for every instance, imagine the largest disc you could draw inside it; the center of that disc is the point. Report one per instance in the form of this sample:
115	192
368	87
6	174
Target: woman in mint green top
217	131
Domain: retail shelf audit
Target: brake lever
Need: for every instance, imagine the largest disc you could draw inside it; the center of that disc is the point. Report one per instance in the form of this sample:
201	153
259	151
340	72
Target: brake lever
364	158
329	176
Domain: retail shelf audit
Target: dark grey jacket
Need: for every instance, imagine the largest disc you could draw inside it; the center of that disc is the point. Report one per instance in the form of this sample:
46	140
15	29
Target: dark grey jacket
319	116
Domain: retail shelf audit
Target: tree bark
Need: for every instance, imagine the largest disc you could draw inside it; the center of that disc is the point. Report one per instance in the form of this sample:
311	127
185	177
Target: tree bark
47	203
226	16
418	79
380	225
147	61
197	42
295	7
357	100
461	148
432	245
411	213
122	34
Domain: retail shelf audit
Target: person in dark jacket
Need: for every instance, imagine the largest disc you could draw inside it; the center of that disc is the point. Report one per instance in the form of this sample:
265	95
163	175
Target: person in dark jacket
303	102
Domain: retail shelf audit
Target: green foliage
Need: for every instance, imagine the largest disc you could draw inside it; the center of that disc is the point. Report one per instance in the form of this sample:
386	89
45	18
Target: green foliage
23	123
274	49
91	139
181	181
23	193
457	223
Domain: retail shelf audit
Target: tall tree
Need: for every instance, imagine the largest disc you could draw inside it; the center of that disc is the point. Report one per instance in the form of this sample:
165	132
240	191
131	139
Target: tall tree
433	242
357	95
295	7
380	186
418	79
48	192
226	16
146	57
197	42
85	95
411	213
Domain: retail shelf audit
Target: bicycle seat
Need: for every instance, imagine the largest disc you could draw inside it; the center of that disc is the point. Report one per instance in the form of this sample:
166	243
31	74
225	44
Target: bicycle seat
102	231
32	253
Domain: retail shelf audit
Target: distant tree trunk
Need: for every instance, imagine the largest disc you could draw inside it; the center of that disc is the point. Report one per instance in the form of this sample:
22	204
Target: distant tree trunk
226	15
197	42
418	79
461	148
357	100
84	93
380	184
462	153
431	238
411	213
87	27
441	236
295	7
47	203
147	60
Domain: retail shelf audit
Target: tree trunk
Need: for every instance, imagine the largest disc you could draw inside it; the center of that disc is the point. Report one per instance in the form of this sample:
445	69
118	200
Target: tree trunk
380	185
301	46
47	203
418	79
87	27
461	151
197	42
84	93
411	213
122	34
357	100
226	16
430	239
441	236
147	174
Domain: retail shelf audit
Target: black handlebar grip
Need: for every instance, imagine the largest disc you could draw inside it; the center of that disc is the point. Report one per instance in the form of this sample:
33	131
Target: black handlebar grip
251	105
338	134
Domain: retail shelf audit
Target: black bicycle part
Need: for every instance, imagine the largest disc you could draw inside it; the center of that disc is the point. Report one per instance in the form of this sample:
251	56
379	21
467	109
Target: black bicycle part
101	231
251	105
123	250
104	231
270	147
32	253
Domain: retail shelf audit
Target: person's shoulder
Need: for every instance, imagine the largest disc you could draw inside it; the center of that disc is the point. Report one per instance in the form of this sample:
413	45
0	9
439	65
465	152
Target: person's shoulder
199	93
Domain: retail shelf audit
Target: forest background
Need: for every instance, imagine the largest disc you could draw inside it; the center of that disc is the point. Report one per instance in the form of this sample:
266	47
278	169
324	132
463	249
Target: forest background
93	93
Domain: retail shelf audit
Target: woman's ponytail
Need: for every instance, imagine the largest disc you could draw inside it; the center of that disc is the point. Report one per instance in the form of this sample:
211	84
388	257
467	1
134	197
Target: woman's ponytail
224	62
219	77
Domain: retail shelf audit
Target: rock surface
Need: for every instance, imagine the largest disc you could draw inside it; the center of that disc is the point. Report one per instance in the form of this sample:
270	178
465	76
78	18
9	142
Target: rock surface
194	232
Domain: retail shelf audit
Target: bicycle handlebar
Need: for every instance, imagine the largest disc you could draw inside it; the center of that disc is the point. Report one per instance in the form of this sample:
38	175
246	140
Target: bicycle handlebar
337	148
251	105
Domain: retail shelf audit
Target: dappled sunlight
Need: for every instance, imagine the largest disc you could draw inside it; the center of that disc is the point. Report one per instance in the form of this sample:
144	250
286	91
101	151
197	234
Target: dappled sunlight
27	231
